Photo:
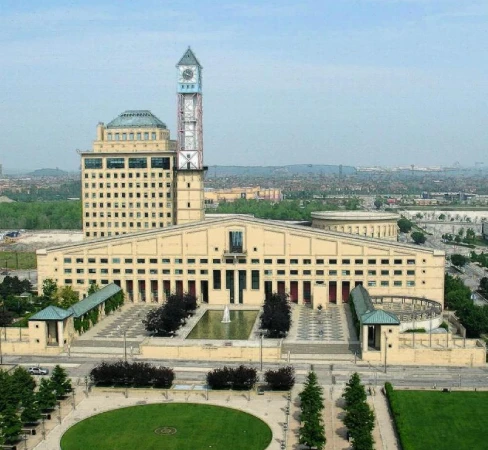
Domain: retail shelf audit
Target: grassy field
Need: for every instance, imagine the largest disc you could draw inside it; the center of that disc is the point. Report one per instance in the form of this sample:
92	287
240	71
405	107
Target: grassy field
18	260
197	427
442	421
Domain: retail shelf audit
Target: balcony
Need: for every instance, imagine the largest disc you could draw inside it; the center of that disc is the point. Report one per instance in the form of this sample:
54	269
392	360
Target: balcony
235	250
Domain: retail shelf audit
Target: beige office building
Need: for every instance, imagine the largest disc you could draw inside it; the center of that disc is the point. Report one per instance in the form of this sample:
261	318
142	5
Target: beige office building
238	259
128	180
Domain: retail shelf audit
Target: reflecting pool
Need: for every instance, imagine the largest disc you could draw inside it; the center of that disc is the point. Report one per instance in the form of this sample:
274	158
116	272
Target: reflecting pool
210	326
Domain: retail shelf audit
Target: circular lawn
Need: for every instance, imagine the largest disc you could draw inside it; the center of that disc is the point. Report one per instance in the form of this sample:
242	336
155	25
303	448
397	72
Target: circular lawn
173	426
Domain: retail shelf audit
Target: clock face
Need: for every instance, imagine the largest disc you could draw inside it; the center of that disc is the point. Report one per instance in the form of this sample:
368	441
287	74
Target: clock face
187	74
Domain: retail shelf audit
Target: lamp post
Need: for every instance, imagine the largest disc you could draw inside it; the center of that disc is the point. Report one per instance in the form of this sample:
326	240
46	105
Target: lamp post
125	342
386	349
261	351
1	354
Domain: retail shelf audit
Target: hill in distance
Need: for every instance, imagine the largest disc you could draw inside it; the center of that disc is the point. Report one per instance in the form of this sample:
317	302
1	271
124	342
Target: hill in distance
48	173
291	170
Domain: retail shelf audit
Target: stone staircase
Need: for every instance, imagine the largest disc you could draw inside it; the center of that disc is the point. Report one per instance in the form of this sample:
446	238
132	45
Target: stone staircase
326	351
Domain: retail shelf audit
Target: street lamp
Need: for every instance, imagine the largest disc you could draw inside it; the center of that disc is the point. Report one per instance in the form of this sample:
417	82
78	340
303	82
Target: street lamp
125	342
386	349
261	351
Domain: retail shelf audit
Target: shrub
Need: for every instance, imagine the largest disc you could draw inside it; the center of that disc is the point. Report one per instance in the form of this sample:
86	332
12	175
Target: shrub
282	379
238	378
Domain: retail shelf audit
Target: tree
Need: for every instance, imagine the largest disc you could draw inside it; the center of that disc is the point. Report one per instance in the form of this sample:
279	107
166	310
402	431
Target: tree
418	237
60	382
93	288
46	397
10	425
276	316
30	409
378	203
354	391
404	225
68	297
312	432
49	289
483	287
282	379
442	217
459	260
6	318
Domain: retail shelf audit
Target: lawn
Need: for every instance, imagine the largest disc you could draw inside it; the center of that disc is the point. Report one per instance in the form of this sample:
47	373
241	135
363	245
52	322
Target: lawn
197	427
18	260
429	420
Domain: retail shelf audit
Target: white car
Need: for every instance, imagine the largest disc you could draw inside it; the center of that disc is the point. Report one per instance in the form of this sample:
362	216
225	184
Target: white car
37	371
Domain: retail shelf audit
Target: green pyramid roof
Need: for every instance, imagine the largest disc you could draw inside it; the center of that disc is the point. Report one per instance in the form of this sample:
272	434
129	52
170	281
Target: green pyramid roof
136	119
189	59
51	313
379	317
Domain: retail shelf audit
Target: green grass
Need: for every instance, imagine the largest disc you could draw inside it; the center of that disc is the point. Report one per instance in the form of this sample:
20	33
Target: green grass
443	421
18	260
198	427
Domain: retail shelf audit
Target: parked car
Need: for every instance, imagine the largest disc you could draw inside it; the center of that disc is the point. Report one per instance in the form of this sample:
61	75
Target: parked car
38	371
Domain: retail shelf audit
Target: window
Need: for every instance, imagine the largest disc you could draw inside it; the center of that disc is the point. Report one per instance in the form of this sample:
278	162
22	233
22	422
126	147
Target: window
280	261
410	283
138	136
319	272
235	241
91	260
153	261
371	261
68	281
346	272
137	163
217	279
67	260
115	163
229	261
153	136
385	261
178	261
397	283
191	271
204	261
346	261
307	272
178	271
268	261
332	261
281	272
255	279
372	272
293	272
293	261
141	260
268	272
146	136
371	283
410	261
166	271
128	270
216	261
80	271
109	136
254	261
204	272
307	261
358	261
131	136
67	271
190	261
320	261
160	163
385	272
93	163
92	270
410	272
128	260
358	272
397	272
385	283
333	272
397	261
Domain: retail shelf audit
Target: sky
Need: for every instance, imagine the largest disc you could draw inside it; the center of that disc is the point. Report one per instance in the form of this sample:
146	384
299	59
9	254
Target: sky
353	82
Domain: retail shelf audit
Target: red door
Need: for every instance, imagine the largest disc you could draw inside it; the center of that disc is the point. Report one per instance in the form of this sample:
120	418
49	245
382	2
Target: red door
179	287
333	292
191	288
167	287
307	292
281	287
294	291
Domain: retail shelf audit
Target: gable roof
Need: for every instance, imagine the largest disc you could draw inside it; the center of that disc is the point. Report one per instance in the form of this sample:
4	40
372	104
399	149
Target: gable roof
189	59
379	317
93	300
366	311
51	313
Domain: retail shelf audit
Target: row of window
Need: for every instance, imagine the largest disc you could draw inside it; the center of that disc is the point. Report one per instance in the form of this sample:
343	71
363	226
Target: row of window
124	205
266	272
109	233
131	195
240	261
132	163
122	175
132	136
137	215
129	185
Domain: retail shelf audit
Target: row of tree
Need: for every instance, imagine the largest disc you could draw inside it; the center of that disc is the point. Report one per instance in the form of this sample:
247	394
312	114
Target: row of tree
41	215
135	374
165	320
276	315
312	430
462	237
359	417
457	297
245	378
20	402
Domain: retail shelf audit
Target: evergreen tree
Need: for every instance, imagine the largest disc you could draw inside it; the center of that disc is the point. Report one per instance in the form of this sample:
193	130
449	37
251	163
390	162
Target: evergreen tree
60	382
10	425
46	397
354	392
312	432
30	412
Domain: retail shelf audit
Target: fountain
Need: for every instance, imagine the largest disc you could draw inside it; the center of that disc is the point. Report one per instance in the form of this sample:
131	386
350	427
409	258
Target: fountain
226	316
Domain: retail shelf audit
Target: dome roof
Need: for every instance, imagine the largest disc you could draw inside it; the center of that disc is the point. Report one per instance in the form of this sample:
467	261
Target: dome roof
136	119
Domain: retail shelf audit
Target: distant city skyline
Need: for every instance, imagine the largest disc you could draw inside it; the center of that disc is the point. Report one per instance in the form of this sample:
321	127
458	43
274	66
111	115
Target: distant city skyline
356	82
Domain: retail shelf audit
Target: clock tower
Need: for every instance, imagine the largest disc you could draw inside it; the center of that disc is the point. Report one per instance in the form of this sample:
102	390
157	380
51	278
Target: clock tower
189	158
